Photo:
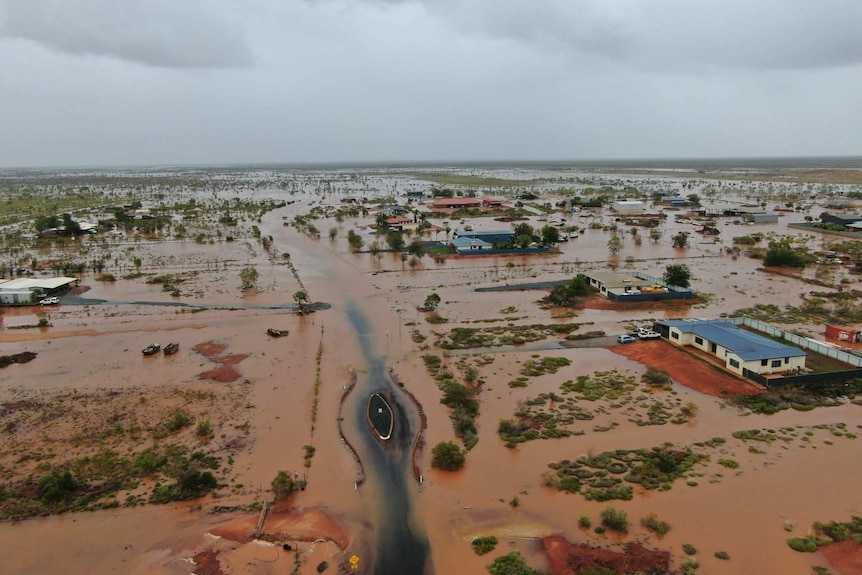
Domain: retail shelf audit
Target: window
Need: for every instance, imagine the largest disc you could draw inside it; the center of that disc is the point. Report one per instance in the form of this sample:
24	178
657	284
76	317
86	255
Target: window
698	340
776	363
786	360
674	335
734	363
764	362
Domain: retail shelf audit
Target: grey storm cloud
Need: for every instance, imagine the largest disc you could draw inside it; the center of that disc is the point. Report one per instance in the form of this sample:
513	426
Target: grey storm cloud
669	34
160	33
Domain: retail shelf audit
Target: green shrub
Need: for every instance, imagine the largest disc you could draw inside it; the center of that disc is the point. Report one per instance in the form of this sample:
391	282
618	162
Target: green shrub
652	523
729	463
511	564
615	520
179	421
483	545
802	544
447	456
584	522
722	555
689	549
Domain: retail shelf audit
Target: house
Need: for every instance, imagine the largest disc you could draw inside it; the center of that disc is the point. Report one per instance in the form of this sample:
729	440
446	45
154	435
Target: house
491	237
492	203
391	211
742	351
456	203
614	284
467	245
401	223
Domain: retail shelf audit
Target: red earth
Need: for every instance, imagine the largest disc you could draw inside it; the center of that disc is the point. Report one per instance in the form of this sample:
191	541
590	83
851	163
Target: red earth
567	558
845	557
686	368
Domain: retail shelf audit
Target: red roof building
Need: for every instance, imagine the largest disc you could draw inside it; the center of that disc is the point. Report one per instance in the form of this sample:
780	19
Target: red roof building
446	203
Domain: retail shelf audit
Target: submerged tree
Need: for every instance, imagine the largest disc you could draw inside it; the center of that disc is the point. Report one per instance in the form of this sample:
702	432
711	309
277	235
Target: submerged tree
615	244
431	302
301	298
248	275
680	240
447	456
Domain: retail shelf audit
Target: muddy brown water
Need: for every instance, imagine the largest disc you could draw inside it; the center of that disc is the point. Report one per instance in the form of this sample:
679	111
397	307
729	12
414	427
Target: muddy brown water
744	512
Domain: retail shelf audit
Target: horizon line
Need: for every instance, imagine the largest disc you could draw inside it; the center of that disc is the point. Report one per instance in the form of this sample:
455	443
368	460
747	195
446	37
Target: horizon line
831	162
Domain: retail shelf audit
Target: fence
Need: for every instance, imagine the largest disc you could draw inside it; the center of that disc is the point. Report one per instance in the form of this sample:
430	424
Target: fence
801	341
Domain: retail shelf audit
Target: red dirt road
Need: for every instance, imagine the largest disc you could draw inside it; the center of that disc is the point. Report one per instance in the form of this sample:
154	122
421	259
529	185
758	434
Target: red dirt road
686	369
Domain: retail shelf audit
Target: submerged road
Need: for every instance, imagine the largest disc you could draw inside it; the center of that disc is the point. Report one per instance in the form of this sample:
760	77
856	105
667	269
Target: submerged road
402	547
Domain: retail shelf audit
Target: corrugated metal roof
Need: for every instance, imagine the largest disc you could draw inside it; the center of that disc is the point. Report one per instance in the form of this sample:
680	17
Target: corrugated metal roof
747	345
36	283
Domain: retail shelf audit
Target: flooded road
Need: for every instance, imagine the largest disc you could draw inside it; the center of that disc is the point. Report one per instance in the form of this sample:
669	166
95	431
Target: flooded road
401	545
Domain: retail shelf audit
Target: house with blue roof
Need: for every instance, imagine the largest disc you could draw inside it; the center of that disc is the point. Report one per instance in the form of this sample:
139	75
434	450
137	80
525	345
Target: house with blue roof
742	351
490	236
468	245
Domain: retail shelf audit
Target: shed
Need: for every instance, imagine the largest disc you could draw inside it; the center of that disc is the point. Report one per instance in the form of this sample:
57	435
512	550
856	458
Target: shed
847	334
629	206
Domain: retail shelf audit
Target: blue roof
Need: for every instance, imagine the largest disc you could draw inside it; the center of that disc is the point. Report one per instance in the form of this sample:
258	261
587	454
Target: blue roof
484	233
467	242
747	345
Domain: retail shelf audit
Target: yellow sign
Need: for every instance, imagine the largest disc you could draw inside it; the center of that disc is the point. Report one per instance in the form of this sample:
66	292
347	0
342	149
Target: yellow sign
354	560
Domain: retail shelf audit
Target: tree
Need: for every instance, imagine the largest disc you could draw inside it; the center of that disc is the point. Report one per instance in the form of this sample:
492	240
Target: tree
301	298
655	234
680	240
677	275
354	240
416	249
694	199
550	236
333	233
615	244
782	254
565	295
283	485
248	275
374	250
395	241
431	302
447	456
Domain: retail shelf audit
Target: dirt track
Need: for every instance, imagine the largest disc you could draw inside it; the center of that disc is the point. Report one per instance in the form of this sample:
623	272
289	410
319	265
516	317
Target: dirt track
685	368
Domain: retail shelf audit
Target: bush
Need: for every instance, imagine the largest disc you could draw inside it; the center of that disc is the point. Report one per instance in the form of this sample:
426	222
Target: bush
802	544
179	421
204	429
729	463
447	456
56	487
689	549
511	564
651	522
615	520
584	522
722	555
483	545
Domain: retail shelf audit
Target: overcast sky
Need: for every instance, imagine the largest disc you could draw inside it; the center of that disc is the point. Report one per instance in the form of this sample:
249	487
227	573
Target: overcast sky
132	82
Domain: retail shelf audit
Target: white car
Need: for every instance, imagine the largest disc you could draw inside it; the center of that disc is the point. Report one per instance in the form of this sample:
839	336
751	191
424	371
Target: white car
648	334
50	301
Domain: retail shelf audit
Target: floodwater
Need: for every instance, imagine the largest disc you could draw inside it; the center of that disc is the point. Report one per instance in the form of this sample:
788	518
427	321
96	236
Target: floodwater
401	544
396	525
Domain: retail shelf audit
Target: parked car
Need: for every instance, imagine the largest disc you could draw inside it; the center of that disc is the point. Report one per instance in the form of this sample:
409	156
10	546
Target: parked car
50	301
625	339
649	334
